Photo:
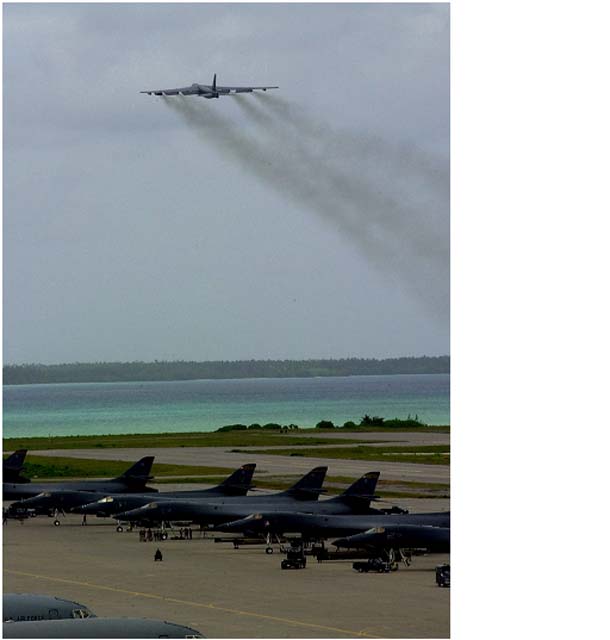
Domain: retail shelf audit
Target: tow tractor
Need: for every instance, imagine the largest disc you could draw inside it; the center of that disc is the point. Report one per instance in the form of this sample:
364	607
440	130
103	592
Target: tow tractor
295	557
443	575
375	564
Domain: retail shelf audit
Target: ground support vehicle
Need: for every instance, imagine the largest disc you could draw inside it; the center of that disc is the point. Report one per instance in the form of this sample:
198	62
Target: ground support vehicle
443	575
375	564
295	558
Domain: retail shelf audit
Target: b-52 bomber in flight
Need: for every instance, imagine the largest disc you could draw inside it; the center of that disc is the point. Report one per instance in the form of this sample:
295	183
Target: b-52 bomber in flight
205	90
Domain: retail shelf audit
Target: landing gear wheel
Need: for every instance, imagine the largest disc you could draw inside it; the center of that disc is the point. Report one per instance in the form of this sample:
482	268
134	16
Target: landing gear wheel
164	536
119	529
269	550
56	523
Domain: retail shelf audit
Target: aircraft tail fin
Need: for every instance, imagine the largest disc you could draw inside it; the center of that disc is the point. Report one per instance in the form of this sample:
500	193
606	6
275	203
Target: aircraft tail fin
13	466
14	462
138	473
239	482
361	491
309	487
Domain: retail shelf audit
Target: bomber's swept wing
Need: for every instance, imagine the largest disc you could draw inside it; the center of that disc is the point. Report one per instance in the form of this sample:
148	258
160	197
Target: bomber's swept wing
205	90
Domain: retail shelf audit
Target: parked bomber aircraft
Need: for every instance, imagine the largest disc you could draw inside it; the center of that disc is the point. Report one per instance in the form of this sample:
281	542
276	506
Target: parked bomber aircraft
98	628
205	90
22	607
355	499
304	491
12	467
401	536
133	480
87	502
237	484
321	526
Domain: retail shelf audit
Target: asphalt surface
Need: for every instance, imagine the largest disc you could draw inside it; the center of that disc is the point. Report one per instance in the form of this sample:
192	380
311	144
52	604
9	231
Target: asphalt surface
222	592
265	463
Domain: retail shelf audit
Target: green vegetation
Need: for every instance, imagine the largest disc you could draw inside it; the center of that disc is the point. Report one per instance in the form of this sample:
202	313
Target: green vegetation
183	370
270	426
376	422
55	467
366	424
433	454
240	438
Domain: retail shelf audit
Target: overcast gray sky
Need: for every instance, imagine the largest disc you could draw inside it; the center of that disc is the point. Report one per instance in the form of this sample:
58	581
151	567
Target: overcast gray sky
310	223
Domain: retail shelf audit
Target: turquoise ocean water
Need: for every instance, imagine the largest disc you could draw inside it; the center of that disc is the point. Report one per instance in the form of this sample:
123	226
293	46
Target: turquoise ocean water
205	405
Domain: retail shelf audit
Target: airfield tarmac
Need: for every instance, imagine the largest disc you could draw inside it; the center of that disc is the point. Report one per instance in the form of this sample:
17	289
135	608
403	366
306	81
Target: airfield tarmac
222	592
277	465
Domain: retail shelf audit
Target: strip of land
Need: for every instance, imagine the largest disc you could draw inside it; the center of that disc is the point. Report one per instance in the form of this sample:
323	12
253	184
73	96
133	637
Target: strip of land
182	370
246	438
402	456
434	454
147	440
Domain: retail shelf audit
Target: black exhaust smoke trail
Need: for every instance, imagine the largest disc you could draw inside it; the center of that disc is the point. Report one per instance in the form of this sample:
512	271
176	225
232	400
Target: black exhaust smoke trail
395	193
269	163
298	165
400	158
379	212
393	186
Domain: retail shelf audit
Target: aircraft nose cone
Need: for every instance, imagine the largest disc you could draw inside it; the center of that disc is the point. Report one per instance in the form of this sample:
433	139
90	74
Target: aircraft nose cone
141	513
34	501
341	542
84	508
230	527
133	514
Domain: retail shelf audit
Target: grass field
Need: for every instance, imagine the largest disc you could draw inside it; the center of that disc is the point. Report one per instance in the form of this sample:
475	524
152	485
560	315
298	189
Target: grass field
258	438
44	467
147	440
433	454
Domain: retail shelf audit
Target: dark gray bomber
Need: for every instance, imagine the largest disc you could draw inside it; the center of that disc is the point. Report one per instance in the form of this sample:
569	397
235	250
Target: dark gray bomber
318	526
355	499
205	90
133	479
87	502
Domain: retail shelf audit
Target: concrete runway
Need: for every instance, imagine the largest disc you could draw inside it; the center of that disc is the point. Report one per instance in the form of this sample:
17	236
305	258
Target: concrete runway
271	464
222	592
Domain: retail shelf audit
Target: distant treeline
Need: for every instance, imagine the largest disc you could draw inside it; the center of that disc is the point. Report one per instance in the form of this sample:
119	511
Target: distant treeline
220	369
366	421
